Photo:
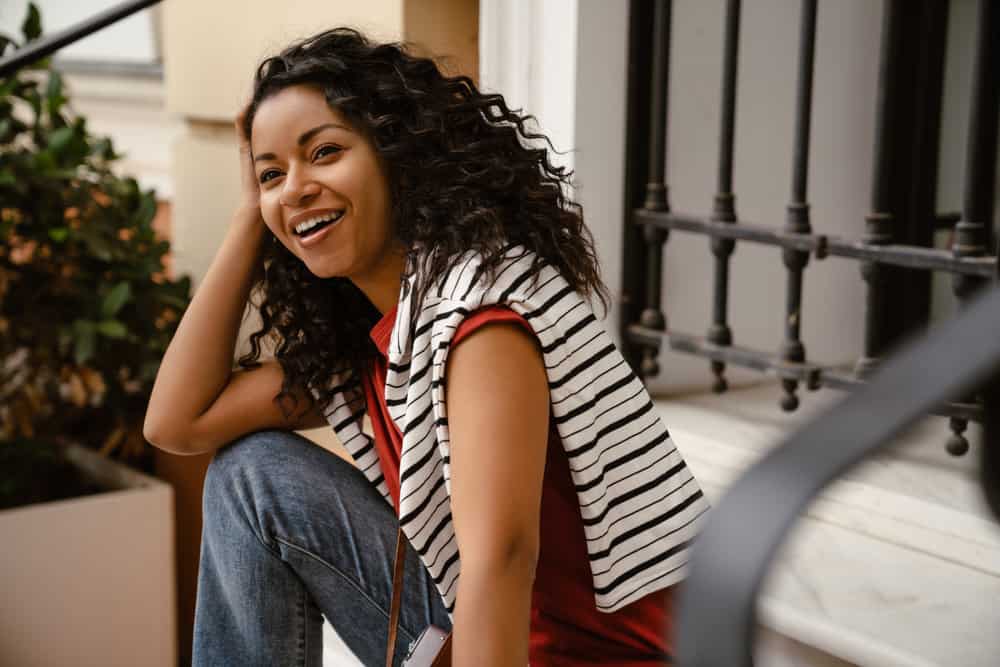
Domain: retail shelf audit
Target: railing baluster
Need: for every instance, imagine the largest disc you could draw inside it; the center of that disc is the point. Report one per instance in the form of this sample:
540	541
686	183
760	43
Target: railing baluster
724	209
972	231
879	222
656	188
989	468
989	455
797	221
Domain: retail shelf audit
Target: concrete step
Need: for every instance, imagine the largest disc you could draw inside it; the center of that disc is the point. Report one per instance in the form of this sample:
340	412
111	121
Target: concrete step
897	563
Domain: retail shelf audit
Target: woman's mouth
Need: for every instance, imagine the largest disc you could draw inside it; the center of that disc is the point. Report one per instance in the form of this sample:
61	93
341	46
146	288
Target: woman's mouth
312	230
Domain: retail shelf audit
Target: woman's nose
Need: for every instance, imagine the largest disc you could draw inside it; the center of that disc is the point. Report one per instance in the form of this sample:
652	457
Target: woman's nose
297	190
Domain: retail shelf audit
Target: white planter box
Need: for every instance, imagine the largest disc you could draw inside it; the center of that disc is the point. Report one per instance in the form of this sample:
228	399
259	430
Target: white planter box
91	580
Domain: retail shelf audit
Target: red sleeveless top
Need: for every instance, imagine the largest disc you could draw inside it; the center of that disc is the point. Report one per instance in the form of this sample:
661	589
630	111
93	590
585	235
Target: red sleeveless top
567	630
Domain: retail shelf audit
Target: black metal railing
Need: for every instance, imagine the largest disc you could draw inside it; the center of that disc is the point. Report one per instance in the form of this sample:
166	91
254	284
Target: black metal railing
49	44
717	614
895	249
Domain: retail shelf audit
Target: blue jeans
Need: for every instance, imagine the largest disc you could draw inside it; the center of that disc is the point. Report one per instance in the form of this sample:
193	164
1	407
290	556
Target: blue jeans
291	532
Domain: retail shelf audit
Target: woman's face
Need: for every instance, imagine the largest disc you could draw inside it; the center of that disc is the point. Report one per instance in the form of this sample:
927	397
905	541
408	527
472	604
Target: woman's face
323	190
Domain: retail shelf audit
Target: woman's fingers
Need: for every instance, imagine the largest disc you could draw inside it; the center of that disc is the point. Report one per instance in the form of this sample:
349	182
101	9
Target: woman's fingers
248	177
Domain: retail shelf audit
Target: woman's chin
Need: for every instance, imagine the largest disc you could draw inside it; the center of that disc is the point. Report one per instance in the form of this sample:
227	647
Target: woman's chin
324	269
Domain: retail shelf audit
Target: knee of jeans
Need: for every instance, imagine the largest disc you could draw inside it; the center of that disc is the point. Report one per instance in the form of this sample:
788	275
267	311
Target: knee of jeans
238	464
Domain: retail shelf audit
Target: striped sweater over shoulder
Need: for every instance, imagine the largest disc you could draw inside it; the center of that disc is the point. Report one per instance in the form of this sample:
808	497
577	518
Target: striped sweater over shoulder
639	502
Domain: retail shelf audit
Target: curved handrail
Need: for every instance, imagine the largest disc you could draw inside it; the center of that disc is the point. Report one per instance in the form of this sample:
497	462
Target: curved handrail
51	43
742	534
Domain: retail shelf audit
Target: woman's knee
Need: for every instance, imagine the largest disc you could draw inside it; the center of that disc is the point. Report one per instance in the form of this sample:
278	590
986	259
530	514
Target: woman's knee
279	465
250	460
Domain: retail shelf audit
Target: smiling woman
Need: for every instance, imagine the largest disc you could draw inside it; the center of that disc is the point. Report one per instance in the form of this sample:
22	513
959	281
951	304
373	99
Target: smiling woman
419	263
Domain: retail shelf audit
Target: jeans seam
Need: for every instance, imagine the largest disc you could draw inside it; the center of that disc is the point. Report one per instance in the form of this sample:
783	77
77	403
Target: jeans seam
303	592
302	627
409	636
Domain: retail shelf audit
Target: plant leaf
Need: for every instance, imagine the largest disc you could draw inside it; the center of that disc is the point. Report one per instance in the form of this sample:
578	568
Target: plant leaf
115	299
147	210
54	87
98	246
86	341
104	149
54	98
59	234
59	140
32	26
112	329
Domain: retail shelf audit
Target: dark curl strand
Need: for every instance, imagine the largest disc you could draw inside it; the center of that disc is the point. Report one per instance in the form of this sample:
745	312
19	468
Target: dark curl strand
462	174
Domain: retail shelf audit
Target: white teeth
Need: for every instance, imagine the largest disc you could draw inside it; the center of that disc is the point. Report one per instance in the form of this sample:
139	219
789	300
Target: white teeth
304	227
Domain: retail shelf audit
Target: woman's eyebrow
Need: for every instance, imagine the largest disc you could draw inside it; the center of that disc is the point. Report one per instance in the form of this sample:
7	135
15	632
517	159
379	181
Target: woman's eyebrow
309	134
303	138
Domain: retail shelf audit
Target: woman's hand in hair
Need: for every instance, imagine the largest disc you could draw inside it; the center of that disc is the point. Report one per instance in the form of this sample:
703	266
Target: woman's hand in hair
249	187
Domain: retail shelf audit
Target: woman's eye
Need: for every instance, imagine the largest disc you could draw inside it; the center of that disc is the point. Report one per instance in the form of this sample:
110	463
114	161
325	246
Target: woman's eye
268	175
328	149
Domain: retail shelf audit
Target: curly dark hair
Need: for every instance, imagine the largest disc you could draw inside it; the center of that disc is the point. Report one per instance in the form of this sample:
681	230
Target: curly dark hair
462	175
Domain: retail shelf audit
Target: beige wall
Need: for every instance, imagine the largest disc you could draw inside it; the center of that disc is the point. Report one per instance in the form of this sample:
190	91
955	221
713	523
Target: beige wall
211	48
447	30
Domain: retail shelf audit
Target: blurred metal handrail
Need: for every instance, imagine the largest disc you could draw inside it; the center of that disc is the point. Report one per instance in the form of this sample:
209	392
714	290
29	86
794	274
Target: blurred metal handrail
732	555
51	43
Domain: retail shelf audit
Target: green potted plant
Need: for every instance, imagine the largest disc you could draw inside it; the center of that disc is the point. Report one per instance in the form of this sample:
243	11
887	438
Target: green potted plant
86	312
86	309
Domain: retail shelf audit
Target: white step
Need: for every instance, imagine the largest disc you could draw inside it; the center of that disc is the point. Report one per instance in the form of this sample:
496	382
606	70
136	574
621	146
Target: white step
898	563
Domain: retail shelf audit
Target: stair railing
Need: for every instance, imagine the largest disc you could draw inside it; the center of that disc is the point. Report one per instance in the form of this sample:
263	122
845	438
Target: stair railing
49	44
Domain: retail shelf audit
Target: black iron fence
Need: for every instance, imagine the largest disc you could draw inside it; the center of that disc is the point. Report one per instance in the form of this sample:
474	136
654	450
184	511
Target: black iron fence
895	244
955	371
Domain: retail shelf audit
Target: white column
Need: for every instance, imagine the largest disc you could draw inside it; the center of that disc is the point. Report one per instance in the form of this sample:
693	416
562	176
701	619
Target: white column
527	52
565	62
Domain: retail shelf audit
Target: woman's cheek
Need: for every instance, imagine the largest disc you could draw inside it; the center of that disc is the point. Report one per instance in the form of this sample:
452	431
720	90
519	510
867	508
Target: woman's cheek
269	223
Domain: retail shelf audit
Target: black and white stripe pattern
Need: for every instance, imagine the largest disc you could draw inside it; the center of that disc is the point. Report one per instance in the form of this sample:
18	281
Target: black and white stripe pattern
640	505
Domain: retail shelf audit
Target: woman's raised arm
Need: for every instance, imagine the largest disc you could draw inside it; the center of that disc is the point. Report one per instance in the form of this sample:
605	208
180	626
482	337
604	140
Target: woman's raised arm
198	403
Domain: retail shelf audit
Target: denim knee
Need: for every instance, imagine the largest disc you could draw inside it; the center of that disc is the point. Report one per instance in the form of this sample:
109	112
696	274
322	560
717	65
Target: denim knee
238	467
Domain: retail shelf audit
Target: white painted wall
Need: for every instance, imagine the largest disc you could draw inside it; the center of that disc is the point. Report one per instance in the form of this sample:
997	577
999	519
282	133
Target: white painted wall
601	81
131	111
530	53
527	52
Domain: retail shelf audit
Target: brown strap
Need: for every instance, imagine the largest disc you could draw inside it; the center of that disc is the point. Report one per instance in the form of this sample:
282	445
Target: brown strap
397	595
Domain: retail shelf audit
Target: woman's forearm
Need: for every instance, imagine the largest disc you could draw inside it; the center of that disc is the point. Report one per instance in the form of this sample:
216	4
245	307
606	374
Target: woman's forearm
492	617
199	358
